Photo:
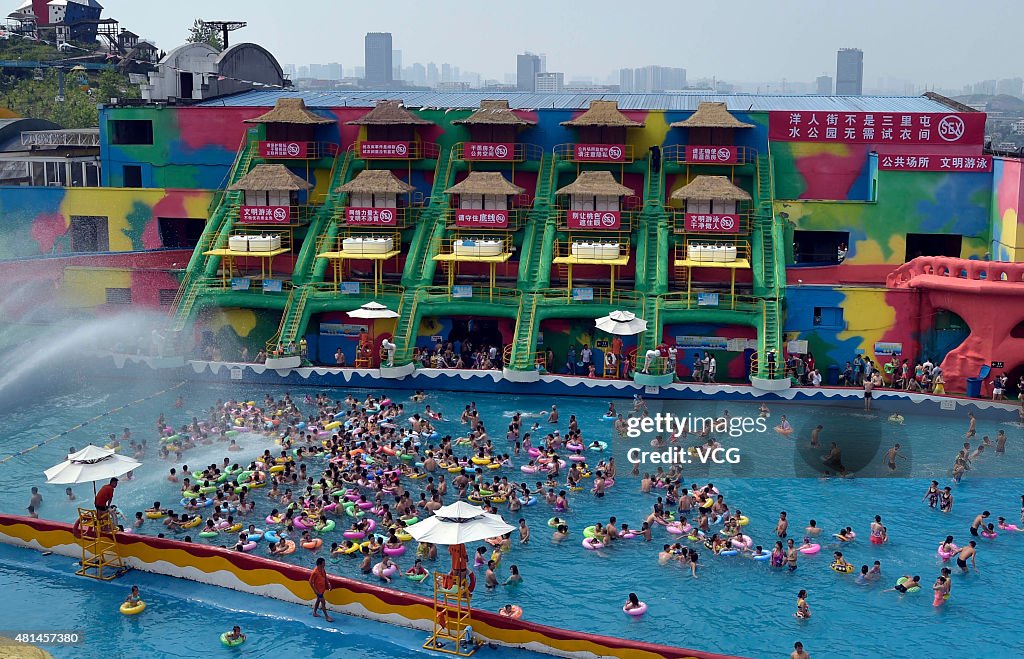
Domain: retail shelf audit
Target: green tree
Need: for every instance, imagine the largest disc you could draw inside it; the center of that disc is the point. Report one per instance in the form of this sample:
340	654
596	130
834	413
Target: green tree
200	32
38	99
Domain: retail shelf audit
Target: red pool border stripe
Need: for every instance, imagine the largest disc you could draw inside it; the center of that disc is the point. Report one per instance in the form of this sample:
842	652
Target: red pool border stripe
131	543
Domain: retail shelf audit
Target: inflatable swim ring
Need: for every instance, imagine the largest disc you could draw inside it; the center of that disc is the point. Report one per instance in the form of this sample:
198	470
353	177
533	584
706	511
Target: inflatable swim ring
132	609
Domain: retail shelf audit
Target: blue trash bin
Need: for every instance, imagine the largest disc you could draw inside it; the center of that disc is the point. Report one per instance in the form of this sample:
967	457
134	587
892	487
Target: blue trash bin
833	375
974	387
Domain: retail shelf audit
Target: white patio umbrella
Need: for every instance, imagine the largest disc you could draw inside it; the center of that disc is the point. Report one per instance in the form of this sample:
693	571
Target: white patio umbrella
623	323
373	310
458	524
89	465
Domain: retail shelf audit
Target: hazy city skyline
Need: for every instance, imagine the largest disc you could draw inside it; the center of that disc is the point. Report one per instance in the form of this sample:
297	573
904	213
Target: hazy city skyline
795	40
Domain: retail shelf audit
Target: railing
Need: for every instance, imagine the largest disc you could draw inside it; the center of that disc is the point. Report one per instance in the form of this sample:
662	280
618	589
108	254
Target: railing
375	219
594	296
291	150
724	155
603	221
254	284
956	268
386	150
591	246
682	300
496	151
499	294
355	247
710	224
538	358
269	216
486	244
655	366
717	252
408	339
616	153
513	219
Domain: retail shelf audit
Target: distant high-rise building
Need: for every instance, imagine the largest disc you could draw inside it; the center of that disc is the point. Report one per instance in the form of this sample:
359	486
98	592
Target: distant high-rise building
823	85
446	72
318	71
303	71
625	80
528	66
378	59
653	78
418	74
396	65
334	71
543	63
850	72
433	76
1010	87
549	83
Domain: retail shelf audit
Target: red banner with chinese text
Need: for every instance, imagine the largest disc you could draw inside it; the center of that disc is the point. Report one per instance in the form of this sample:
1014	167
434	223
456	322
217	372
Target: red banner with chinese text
594	220
936	128
264	215
481	219
387	217
600	152
713	222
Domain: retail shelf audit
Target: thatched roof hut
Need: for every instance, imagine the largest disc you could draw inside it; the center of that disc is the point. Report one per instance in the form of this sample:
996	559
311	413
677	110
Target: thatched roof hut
711	115
711	188
596	183
494	113
290	111
485	183
603	114
376	181
389	113
271	177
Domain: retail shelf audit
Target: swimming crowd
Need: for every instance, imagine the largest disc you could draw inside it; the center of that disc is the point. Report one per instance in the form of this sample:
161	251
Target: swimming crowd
369	450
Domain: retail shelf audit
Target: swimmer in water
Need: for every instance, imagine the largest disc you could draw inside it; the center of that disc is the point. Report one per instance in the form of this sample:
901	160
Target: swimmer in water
891	455
972	426
802	610
816	436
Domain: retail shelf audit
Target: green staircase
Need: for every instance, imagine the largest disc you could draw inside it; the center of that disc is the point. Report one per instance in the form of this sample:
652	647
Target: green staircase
524	343
224	203
651	264
294	318
535	260
407	327
772	274
324	227
770	338
419	262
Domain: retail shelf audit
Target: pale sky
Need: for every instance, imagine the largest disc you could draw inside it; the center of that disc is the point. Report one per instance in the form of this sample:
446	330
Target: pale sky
943	43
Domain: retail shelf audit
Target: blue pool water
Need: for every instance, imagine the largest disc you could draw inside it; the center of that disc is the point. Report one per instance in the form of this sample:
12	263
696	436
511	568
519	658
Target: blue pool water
184	619
734	606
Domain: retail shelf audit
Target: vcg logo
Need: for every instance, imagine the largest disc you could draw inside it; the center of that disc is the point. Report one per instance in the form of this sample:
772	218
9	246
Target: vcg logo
951	128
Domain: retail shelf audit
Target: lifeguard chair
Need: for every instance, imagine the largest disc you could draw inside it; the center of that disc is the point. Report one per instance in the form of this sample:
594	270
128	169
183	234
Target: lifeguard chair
97	534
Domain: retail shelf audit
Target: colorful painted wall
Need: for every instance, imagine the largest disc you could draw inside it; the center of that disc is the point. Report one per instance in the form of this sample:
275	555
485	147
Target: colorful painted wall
840	323
195	146
229	329
36	221
1007	204
732	365
907	202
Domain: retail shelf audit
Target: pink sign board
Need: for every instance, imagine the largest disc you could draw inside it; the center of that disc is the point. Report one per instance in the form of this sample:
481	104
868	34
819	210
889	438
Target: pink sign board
481	219
265	215
387	217
594	220
713	222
